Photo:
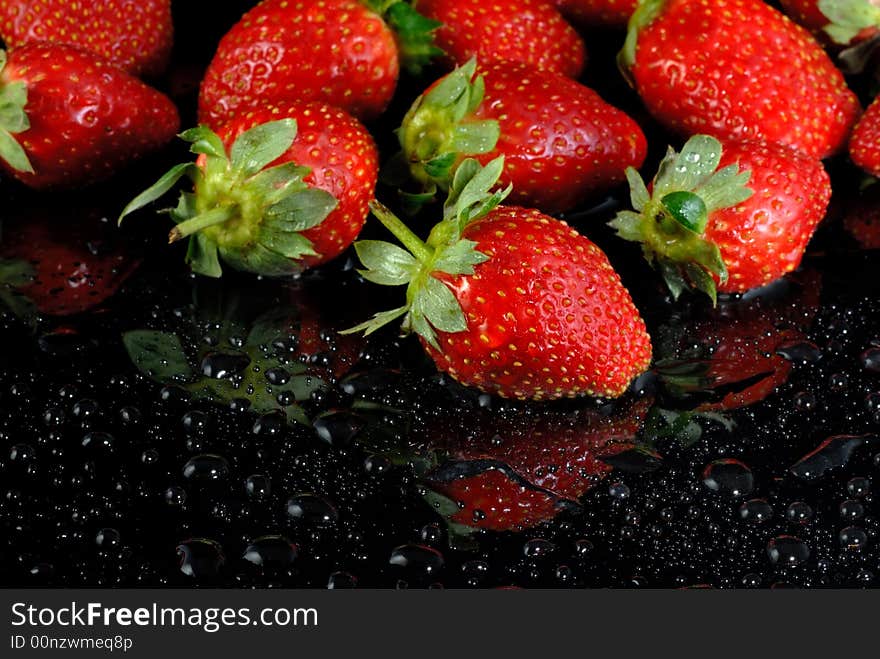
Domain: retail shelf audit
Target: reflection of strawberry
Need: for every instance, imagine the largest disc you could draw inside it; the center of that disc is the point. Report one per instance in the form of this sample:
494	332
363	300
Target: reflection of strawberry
736	362
521	469
864	145
862	218
61	267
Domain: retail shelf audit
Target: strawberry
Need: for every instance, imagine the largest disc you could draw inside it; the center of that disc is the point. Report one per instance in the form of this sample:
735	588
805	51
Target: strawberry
59	261
737	69
600	13
509	300
340	52
70	117
844	22
864	144
278	190
528	31
560	141
704	229
135	35
514	471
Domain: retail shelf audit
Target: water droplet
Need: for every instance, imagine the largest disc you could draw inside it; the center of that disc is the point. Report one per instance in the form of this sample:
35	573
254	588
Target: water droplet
175	496
853	537
278	376
206	467
538	548
756	511
870	360
200	558
271	551
258	486
341	580
799	513
802	352
108	538
619	490
833	452
852	509
419	558
858	486
338	428
788	551
195	422
729	477
431	533
270	424
220	365
312	509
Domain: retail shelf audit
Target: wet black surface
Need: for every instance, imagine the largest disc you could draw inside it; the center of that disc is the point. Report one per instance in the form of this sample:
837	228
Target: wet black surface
164	429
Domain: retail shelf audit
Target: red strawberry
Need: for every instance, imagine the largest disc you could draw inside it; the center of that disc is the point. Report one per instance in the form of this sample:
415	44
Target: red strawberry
340	52
135	35
70	117
509	300
864	145
279	190
737	69
560	141
603	13
703	228
844	22
514	473
58	264
528	31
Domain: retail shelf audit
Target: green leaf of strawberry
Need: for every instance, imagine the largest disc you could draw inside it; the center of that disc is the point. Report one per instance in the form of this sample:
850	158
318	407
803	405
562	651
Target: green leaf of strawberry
670	221
847	18
13	120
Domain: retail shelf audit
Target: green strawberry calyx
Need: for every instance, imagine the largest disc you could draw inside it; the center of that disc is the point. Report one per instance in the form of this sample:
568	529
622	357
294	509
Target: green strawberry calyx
13	120
848	18
670	221
414	32
242	210
439	130
643	16
430	303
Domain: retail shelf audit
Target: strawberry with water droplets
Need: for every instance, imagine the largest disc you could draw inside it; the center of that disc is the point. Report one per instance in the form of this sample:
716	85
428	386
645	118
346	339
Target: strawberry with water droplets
560	141
703	228
136	35
69	117
278	190
737	69
528	31
345	53
509	300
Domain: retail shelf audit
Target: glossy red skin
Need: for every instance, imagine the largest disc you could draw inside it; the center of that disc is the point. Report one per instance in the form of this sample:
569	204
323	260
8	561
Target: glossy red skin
601	13
739	69
561	142
344	162
864	145
547	315
765	236
136	35
75	268
528	31
808	14
87	117
558	456
334	51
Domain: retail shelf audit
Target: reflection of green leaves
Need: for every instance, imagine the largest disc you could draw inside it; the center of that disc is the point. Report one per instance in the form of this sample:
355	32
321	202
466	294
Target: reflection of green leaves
162	357
158	355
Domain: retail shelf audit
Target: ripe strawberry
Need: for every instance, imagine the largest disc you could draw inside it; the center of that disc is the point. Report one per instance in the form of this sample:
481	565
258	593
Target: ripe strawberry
864	144
560	141
69	117
519	470
737	69
60	261
509	300
136	35
601	13
704	229
279	190
845	22
340	52
528	31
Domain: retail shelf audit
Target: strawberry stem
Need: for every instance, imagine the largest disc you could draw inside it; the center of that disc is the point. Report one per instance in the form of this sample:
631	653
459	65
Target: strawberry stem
208	219
411	241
